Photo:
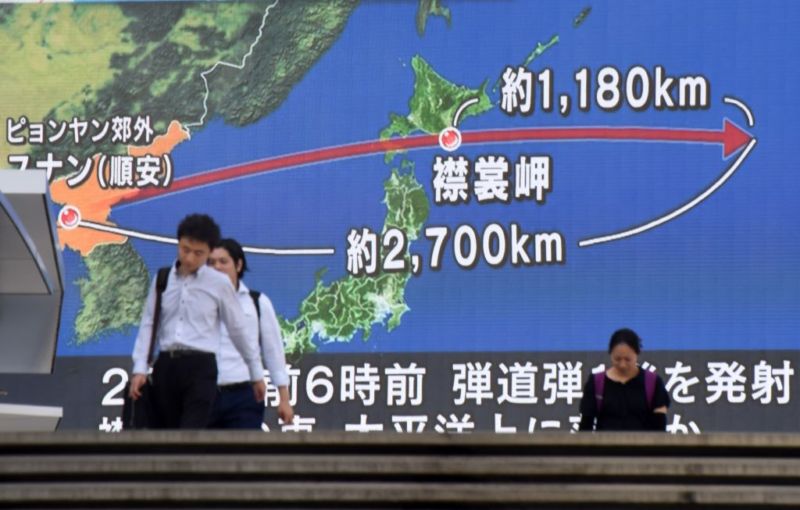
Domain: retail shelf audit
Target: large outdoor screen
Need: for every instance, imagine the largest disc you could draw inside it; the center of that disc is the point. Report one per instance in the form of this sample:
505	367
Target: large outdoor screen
451	205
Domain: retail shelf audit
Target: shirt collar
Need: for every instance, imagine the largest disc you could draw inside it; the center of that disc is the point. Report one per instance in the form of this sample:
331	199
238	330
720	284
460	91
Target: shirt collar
242	288
202	269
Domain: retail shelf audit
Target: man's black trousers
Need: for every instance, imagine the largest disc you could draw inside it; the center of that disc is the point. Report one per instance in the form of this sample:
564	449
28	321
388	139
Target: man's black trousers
184	389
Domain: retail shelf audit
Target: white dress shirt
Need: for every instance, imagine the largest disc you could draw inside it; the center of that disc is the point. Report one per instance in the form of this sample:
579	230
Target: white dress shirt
230	365
192	309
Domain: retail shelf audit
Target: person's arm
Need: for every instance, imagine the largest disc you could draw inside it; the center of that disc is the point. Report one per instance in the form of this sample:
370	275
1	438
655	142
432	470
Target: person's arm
658	418
588	406
235	321
141	347
285	411
274	356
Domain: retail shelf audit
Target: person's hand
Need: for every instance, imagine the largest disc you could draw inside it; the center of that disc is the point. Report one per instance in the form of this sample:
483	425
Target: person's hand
285	412
137	382
259	390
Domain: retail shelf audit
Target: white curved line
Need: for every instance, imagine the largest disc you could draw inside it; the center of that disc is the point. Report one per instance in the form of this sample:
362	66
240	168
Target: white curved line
677	212
169	240
289	251
751	121
228	64
125	232
466	104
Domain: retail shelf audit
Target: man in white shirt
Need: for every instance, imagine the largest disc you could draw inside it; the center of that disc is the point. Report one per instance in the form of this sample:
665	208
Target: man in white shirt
197	299
235	407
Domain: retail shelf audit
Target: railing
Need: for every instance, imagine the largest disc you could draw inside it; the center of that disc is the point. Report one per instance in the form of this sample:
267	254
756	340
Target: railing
347	470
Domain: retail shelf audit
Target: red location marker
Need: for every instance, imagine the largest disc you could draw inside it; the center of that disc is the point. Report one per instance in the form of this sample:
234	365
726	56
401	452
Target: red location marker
69	217
450	139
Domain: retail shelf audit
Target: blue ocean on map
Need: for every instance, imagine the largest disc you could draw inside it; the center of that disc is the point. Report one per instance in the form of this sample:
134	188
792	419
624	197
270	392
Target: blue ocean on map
722	276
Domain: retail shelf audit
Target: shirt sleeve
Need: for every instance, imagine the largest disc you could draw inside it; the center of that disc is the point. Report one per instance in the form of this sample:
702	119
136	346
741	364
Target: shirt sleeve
141	347
588	405
272	343
235	321
661	396
658	421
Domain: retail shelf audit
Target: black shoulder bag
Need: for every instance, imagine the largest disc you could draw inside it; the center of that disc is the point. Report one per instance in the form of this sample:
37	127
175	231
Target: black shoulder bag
138	414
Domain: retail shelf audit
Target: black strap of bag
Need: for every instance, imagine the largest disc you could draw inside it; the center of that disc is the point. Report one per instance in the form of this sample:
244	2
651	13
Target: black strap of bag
161	286
254	295
138	414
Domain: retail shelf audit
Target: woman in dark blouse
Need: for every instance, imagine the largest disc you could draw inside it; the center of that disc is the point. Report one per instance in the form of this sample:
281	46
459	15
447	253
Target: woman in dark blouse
623	404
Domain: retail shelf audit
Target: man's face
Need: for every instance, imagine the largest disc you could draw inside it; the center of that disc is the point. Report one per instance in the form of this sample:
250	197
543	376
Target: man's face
192	254
222	261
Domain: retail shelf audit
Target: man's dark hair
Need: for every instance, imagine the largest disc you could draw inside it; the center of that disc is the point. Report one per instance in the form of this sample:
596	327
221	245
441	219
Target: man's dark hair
236	252
625	336
200	227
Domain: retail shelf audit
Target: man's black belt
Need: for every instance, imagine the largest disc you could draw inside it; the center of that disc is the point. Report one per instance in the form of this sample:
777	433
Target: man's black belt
234	386
182	353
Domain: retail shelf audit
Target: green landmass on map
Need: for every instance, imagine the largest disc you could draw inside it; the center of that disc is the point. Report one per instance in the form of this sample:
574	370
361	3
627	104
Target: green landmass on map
581	17
97	61
539	50
159	50
336	311
433	104
533	55
111	293
427	8
56	56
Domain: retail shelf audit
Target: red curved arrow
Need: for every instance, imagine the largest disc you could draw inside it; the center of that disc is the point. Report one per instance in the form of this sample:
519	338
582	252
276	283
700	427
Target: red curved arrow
731	137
